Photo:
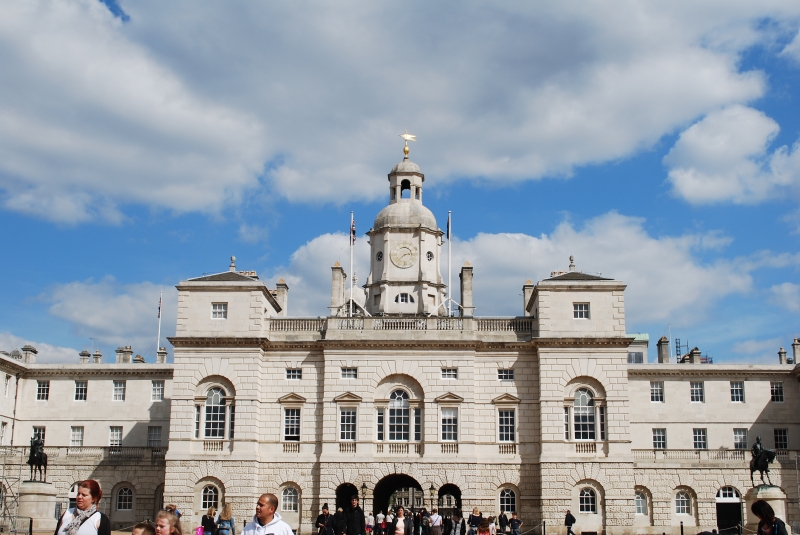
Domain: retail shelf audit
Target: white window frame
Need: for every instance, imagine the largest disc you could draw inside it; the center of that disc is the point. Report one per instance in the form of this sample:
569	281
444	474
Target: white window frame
657	392
348	424
119	390
125	499
43	390
640	502
76	436
449	373
683	503
659	433
154	434
294	374
505	374
448	417
349	372
587	501
157	390
209	497
700	438
292	420
290	500
219	311
740	438
508	500
81	388
697	392
776	392
737	392
115	435
502	436
581	311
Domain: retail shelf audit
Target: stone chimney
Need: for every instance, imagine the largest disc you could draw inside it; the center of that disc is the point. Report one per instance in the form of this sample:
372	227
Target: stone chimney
161	355
781	356
29	354
467	309
527	292
796	350
97	357
84	356
138	359
124	355
337	287
282	296
663	350
695	356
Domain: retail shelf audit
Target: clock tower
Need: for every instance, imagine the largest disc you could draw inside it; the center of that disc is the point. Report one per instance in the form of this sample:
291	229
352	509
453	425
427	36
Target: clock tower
405	250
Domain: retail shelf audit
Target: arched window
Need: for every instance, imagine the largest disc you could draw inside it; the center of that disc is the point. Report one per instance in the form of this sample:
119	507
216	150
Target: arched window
404	298
124	499
289	501
728	494
683	503
583	415
587	501
215	414
398	416
210	497
641	503
508	500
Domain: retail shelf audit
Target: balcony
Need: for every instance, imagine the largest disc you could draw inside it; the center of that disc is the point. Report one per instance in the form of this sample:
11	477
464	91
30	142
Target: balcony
399	448
718	456
586	448
99	453
347	447
291	447
507	449
450	447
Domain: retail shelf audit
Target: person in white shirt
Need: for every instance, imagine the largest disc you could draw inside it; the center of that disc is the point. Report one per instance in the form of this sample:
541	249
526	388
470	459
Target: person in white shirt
379	518
436	523
267	520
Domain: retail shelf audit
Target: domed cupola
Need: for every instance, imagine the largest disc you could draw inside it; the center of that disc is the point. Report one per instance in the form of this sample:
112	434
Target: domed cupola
405	243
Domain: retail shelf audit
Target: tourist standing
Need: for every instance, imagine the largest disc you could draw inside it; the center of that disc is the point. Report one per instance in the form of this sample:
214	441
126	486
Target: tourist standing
354	518
436	523
267	519
492	528
474	521
84	518
322	520
515	524
226	525
380	523
208	521
401	524
370	523
503	521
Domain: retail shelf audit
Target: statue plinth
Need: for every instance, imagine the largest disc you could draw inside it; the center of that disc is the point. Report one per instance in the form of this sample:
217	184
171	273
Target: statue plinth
37	500
771	494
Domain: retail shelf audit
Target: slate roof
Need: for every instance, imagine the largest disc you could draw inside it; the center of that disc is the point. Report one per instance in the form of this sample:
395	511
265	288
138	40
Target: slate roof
577	276
227	276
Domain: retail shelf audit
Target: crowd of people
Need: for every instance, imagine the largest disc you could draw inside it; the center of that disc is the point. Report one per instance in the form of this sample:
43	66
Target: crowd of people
398	521
86	519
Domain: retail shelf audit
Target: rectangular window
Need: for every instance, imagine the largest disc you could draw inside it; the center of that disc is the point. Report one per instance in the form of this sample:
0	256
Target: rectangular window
347	424
418	425
602	411
398	424
76	436
232	423
505	374
157	393
580	311
119	390
349	373
697	392
776	391
115	436
81	390
379	424
740	439
449	373
42	390
2	433
294	374
506	425
566	423
781	439
449	424
219	311
657	391
39	432
737	392
291	425
197	421
659	439
8	381
154	436
635	357
700	437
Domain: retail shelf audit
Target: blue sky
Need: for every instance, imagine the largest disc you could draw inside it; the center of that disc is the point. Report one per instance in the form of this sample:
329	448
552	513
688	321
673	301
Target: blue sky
145	143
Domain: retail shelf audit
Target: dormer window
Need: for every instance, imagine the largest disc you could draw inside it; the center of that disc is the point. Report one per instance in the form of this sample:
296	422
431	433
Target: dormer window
404	298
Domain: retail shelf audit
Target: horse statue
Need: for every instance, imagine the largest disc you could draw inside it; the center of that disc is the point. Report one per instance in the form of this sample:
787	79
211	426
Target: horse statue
38	459
760	461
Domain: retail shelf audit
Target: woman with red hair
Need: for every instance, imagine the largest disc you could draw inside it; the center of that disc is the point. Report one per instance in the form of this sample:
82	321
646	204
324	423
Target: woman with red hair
85	519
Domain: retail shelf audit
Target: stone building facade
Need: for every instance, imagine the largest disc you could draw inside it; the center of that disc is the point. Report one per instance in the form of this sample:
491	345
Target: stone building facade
542	412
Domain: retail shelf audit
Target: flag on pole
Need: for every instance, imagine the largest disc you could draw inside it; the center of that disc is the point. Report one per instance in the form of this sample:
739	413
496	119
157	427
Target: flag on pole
448	226
159	307
352	230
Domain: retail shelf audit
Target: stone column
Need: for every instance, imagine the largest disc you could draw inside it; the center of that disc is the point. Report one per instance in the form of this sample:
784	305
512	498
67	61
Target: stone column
467	309
37	500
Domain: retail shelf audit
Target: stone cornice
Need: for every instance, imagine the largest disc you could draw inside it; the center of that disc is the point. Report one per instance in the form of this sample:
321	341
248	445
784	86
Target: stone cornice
104	370
709	370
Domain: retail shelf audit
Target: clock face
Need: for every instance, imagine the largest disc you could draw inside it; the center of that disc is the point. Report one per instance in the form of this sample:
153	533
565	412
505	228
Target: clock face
404	255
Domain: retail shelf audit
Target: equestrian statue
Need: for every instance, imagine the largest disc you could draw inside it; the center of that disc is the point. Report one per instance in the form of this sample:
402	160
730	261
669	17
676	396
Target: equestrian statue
38	459
760	461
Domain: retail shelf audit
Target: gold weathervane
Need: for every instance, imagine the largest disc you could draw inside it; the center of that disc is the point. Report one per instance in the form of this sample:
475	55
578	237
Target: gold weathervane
408	137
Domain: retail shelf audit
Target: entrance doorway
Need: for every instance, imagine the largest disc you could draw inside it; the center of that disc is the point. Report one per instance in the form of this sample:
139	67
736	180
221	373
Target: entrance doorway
729	510
344	492
449	499
399	489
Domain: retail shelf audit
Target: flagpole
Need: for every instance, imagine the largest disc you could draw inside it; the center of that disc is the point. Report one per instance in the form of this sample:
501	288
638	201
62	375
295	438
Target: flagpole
158	340
352	236
449	265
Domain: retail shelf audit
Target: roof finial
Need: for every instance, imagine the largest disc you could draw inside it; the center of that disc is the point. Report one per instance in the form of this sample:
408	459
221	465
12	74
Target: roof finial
408	137
233	264
571	263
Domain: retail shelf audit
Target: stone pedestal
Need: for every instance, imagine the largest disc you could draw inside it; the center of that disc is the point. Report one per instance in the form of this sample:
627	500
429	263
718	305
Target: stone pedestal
774	496
38	501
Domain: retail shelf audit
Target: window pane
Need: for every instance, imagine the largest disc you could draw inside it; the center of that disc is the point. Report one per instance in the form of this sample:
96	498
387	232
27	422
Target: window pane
158	391
700	439
587	501
119	390
291	424
508	500
657	391
42	390
294	373
115	436
289	500
124	499
740	439
580	310
76	436
449	373
659	439
379	424
635	357
781	439
215	414
505	374
697	392
81	388
210	497
154	436
737	391
641	503
449	423
776	391
347	422
219	311
349	373
506	426
583	415
39	433
683	503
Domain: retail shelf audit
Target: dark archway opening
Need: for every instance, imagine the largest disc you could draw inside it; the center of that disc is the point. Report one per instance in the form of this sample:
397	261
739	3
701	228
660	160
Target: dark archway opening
393	483
449	499
405	186
344	492
729	515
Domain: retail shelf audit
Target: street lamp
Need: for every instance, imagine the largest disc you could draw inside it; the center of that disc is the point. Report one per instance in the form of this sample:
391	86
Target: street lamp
363	491
432	491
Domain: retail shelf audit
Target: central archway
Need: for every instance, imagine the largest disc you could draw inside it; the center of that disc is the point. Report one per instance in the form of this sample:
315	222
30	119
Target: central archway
388	486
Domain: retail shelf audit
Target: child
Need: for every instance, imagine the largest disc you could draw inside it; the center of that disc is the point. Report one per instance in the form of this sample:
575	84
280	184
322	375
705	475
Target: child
515	524
483	527
143	528
492	530
168	523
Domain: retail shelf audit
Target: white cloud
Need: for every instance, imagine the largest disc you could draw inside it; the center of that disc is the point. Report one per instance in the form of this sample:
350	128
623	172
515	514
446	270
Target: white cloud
757	347
48	353
792	50
724	157
786	295
116	314
666	279
185	105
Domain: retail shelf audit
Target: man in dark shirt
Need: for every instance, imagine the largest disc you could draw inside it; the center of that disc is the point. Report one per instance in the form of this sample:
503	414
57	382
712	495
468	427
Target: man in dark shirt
569	520
515	523
355	523
503	520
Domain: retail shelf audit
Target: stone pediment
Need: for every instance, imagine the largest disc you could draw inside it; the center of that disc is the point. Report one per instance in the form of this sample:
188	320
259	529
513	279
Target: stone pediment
506	398
292	398
449	398
347	397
